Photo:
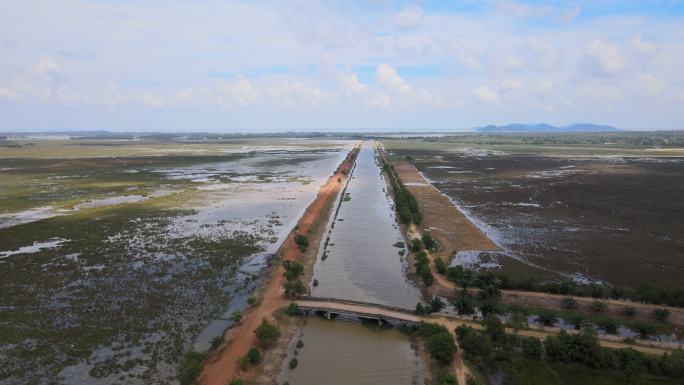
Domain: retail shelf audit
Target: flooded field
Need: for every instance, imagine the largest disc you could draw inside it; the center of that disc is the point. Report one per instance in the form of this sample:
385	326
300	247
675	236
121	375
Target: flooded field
339	352
592	215
110	268
359	261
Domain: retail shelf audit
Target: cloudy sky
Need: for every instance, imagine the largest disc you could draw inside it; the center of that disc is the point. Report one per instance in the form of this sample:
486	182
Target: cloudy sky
158	65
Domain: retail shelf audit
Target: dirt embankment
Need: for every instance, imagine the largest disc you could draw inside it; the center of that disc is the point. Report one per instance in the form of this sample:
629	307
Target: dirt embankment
222	367
454	232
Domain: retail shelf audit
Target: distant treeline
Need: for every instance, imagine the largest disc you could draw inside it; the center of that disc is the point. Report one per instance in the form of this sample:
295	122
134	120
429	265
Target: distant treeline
405	202
664	139
645	293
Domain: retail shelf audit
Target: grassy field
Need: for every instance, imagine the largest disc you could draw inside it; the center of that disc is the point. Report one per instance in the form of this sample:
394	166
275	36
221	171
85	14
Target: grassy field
587	207
132	255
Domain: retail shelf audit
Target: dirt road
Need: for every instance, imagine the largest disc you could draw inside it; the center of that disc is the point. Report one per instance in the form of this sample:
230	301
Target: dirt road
239	339
454	232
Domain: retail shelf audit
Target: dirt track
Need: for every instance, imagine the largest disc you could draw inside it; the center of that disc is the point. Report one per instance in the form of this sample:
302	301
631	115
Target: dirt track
454	232
238	340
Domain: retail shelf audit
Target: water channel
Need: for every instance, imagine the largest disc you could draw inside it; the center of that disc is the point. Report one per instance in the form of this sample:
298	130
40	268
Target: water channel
359	262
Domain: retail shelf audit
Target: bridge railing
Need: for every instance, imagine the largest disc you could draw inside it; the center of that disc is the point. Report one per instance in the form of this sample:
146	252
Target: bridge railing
361	303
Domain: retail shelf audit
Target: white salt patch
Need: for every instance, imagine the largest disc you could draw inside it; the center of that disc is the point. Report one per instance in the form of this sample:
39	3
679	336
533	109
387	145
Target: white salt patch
35	247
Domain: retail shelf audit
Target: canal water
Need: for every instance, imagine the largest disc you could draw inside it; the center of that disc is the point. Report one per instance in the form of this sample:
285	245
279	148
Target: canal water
338	352
360	261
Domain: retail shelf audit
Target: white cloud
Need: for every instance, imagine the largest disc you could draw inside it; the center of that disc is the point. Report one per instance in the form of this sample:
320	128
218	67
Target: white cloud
409	18
651	84
531	10
511	85
387	76
642	48
603	59
352	85
46	69
601	93
486	95
381	101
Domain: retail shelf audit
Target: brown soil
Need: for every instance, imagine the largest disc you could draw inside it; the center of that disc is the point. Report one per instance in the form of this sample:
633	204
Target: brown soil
222	367
454	232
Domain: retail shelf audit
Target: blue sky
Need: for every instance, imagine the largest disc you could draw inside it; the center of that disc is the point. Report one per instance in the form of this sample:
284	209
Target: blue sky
321	65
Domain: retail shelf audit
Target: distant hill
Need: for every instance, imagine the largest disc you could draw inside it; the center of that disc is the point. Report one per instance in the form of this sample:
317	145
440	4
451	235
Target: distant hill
543	127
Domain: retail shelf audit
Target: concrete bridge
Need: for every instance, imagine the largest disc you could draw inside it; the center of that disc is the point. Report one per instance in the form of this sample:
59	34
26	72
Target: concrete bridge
368	311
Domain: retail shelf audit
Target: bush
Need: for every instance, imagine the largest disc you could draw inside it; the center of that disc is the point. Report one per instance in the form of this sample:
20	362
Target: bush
252	301
254	356
428	241
416	245
447	379
440	266
465	304
293	363
236	381
300	344
569	303
472	381
494	328
441	347
532	347
190	367
236	317
660	314
629	311
436	305
598	307
609	324
644	329
266	333
294	289
301	242
293	309
546	317
293	269
216	342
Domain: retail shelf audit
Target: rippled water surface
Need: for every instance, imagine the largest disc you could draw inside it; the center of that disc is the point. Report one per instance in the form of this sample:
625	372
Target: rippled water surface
360	262
337	352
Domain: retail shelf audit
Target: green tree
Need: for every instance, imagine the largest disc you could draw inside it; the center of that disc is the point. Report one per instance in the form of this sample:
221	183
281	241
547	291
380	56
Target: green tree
254	356
441	347
532	347
494	328
660	314
293	309
464	303
301	242
294	289
190	367
569	303
440	265
236	381
428	241
266	333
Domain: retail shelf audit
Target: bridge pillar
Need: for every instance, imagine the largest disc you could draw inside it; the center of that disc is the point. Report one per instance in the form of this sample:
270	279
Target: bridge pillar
327	314
379	321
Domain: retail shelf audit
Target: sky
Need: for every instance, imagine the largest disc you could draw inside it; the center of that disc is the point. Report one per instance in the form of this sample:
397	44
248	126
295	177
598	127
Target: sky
232	66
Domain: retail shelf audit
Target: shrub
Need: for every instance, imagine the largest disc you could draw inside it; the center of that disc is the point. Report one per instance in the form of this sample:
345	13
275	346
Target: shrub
300	344
301	242
660	314
609	324
472	381
644	329
440	265
266	333
190	367
532	347
254	356
436	305
294	289
447	379
428	241
416	245
293	363
494	328
236	381
629	311
546	317
293	309
441	347
236	316
252	301
569	303
465	304
293	269
598	307
216	342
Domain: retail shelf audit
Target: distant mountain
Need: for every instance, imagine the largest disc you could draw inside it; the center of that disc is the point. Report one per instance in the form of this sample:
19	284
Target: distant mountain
543	127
